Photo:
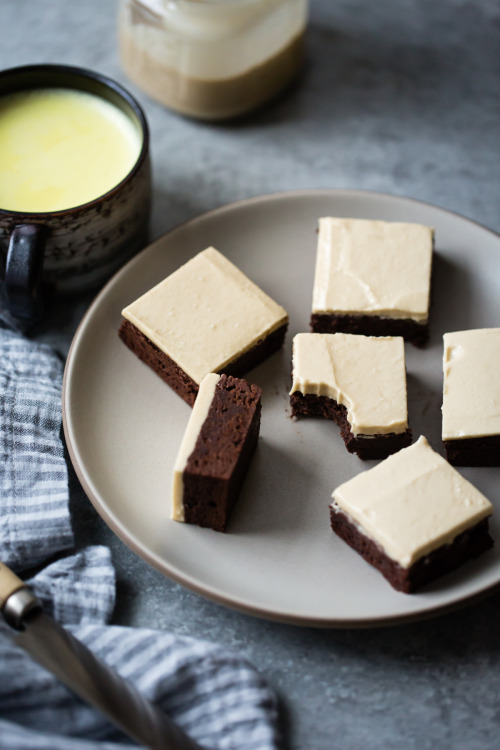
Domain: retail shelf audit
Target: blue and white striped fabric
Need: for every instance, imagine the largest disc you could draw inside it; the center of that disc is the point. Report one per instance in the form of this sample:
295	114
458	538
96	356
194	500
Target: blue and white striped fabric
213	694
33	479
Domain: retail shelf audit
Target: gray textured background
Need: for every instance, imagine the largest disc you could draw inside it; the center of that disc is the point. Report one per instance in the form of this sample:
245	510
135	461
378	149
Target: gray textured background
400	97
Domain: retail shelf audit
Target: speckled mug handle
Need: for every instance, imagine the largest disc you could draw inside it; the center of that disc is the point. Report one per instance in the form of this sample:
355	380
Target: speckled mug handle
23	272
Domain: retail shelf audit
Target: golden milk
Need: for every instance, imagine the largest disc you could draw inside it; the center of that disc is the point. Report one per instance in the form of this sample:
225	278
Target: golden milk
60	148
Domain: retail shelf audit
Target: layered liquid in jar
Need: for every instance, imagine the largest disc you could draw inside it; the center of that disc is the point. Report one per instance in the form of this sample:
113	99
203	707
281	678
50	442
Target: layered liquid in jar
212	59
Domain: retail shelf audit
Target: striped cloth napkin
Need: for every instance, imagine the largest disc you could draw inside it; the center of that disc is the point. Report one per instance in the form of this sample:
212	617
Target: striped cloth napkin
213	694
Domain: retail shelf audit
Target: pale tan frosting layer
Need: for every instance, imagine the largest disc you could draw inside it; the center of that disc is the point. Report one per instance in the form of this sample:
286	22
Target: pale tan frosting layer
471	389
412	503
197	417
206	314
366	267
366	374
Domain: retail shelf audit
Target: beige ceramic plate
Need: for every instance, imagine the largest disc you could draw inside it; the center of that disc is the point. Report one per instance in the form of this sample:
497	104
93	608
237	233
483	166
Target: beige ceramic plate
279	558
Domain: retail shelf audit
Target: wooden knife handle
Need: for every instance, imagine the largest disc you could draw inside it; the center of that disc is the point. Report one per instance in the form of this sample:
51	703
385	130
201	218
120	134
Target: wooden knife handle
9	583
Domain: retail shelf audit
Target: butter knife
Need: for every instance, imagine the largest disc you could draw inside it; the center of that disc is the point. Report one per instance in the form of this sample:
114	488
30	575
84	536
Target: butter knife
76	666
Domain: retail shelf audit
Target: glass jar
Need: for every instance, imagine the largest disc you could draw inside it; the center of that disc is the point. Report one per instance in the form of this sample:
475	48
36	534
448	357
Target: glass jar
212	59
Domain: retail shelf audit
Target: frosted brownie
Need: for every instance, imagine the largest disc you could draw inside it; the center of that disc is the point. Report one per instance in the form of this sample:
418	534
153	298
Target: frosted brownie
372	278
215	452
358	381
413	517
205	317
471	397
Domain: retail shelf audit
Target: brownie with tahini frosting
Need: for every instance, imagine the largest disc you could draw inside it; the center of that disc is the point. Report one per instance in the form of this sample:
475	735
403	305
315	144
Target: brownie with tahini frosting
357	381
373	278
207	316
471	397
413	517
215	452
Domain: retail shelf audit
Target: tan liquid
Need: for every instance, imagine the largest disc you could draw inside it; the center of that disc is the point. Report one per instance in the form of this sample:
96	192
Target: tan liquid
207	99
61	148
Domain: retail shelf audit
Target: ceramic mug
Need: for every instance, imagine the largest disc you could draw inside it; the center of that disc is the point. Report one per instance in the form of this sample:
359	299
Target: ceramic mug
74	249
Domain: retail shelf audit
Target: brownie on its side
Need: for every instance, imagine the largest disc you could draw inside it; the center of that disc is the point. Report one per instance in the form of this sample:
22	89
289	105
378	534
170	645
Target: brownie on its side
471	397
357	381
373	278
413	517
215	452
205	317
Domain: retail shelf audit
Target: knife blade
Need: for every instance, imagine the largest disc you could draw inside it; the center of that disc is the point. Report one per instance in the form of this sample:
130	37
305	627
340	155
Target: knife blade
79	669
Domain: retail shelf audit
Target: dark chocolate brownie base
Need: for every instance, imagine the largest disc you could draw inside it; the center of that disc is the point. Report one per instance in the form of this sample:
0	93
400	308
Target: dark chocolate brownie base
216	468
158	361
371	325
368	448
481	451
179	380
466	546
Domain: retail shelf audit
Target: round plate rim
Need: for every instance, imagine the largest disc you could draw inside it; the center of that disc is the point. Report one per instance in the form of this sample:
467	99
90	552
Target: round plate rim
158	563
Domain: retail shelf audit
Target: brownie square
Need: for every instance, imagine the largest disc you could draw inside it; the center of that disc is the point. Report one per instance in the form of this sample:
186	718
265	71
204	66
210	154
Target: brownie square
373	278
471	397
216	450
413	517
205	317
357	381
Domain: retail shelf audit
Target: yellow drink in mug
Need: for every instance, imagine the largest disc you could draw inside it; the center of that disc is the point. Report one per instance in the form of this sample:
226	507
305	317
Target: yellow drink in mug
60	148
74	180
